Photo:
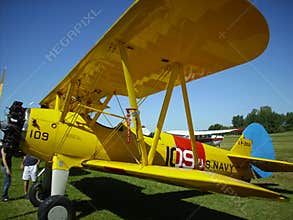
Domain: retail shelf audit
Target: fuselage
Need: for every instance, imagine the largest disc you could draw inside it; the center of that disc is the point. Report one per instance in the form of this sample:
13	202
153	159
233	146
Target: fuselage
46	136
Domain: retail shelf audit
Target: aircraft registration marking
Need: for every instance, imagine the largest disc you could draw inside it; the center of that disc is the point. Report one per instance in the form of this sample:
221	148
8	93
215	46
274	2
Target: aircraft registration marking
36	134
184	159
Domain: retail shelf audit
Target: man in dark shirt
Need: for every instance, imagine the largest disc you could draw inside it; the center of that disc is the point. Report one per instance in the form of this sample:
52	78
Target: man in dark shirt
6	162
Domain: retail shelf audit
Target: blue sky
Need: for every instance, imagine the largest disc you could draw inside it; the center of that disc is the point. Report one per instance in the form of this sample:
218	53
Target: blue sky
31	29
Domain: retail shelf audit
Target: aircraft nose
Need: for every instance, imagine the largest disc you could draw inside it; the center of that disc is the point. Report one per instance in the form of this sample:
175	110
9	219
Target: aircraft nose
13	127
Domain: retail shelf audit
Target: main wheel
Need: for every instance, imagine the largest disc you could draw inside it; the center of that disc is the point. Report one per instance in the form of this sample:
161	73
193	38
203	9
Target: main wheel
37	194
56	207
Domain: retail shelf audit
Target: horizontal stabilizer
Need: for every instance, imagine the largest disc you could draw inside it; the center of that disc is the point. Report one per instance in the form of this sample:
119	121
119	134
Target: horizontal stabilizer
263	164
200	180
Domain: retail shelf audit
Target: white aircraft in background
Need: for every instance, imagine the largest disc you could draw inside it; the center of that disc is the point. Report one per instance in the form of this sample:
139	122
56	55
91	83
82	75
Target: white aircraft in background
211	137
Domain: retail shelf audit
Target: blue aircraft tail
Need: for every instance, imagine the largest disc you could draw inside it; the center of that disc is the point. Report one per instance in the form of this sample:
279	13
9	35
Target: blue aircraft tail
262	146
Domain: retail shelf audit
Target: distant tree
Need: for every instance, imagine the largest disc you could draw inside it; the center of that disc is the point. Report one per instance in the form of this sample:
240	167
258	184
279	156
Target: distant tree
216	127
251	117
264	116
272	121
238	121
288	121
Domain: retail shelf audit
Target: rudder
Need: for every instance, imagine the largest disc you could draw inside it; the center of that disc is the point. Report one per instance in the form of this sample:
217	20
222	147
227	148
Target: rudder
260	146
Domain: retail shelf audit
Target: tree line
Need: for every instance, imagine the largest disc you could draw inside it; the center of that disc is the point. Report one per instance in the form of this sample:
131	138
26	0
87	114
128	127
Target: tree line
273	122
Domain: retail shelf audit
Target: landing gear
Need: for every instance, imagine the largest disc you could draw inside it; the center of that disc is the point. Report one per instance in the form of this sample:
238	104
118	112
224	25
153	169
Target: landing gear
56	207
40	190
37	195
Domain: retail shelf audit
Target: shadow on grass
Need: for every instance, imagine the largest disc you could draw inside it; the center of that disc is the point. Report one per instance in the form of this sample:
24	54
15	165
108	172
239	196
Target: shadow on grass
21	215
272	186
76	171
16	198
129	202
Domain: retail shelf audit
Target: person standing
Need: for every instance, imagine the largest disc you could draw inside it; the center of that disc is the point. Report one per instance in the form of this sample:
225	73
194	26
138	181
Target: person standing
6	159
10	143
6	162
29	166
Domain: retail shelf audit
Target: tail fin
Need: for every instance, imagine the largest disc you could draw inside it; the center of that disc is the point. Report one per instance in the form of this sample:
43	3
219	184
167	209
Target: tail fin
242	146
255	142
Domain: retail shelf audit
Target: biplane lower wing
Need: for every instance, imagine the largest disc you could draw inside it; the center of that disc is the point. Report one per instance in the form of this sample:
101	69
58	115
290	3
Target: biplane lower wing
199	180
263	164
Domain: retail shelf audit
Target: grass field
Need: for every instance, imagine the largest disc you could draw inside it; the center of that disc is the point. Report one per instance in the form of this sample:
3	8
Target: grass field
108	196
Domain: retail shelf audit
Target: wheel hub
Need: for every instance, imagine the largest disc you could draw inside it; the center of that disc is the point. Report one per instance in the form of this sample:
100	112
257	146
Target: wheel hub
58	212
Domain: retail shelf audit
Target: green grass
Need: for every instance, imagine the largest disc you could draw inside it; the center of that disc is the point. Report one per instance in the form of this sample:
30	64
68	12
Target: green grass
99	195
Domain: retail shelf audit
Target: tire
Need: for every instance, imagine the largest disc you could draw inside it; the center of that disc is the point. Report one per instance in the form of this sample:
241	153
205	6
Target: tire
56	207
37	195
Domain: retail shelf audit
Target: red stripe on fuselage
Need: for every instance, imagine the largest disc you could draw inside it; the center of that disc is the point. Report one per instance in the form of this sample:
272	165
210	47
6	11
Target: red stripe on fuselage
184	155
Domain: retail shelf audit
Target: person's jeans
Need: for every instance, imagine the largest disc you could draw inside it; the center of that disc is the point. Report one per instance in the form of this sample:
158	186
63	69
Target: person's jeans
6	183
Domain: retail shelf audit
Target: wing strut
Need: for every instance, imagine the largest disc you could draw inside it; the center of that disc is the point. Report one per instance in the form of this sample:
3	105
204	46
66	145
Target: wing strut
98	113
57	102
67	102
133	103
188	115
162	117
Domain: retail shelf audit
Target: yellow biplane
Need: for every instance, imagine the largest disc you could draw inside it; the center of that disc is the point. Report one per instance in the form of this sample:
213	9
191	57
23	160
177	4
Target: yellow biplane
155	46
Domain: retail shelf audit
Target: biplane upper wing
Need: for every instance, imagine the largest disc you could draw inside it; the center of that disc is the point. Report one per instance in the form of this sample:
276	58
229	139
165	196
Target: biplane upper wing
205	37
200	180
262	163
